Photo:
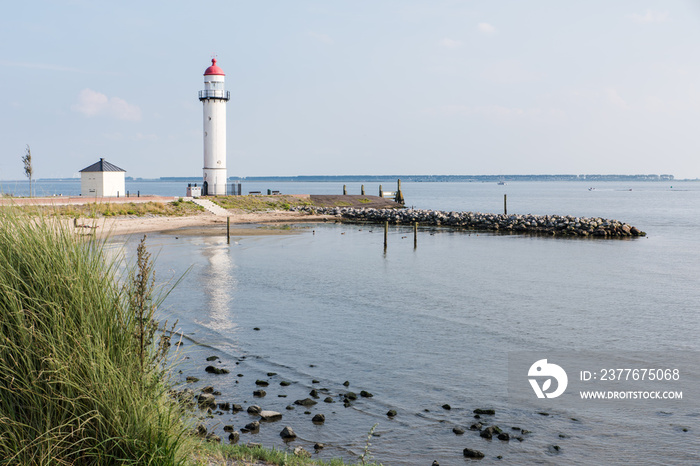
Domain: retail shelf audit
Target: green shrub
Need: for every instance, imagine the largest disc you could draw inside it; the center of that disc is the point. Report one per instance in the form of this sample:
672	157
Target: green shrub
72	386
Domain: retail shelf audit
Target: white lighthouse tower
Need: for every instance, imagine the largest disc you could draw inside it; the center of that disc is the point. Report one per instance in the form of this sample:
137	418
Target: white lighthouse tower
214	98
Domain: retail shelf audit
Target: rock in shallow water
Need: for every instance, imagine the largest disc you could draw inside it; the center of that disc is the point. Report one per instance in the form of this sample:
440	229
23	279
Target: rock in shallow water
215	370
288	433
254	409
270	416
469	453
206	400
305	402
253	426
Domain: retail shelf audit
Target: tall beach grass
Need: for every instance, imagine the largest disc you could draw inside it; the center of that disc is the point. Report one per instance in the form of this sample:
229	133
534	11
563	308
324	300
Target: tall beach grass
74	388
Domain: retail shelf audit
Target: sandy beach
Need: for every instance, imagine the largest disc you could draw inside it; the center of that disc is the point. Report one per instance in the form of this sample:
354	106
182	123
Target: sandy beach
117	226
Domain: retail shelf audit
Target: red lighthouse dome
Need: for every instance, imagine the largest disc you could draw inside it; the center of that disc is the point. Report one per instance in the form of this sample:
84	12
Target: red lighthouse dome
213	69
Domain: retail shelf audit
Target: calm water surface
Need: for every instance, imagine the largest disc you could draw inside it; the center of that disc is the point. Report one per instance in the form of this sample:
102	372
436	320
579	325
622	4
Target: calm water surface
421	328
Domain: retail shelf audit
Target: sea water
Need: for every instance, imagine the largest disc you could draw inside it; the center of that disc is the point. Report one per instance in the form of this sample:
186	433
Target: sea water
433	325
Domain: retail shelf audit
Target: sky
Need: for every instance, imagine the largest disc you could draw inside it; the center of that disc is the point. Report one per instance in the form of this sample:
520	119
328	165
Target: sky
336	87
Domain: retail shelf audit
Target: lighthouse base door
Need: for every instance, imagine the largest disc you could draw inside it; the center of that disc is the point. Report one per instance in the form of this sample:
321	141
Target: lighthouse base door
205	189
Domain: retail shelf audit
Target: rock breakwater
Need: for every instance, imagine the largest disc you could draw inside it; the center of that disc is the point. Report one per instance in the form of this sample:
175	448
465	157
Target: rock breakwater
552	225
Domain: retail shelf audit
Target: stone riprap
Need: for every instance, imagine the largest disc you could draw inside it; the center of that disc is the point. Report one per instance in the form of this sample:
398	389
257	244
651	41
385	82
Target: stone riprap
553	225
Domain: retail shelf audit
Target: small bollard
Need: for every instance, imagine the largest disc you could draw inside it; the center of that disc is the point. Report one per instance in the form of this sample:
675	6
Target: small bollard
228	230
505	204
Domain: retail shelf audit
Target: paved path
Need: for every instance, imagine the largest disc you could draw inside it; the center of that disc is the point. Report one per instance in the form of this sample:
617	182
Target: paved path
211	207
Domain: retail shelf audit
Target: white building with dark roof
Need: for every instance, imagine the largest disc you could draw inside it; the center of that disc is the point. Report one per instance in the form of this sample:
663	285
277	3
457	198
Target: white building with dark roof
102	179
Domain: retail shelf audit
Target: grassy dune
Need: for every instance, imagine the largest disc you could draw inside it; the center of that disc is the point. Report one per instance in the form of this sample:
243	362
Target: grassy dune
74	388
105	209
260	203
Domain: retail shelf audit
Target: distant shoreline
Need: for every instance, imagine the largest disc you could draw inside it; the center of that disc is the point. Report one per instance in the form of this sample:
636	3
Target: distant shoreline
405	178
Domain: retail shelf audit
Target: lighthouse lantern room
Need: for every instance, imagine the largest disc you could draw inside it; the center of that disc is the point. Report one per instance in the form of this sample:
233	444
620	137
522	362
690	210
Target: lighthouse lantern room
214	98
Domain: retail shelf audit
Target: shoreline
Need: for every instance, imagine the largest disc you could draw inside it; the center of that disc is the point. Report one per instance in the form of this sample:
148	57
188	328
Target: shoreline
124	226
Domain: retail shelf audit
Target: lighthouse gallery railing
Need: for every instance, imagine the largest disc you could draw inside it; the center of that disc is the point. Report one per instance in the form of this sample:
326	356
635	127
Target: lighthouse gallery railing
214	94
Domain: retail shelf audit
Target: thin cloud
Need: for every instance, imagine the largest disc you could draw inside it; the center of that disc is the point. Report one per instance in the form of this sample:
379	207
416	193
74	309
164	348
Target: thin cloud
325	38
92	103
486	28
450	43
615	98
649	16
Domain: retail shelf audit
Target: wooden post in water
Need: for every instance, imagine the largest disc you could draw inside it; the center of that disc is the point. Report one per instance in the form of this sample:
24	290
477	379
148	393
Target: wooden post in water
380	191
362	190
228	230
399	194
386	232
505	204
345	190
415	235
